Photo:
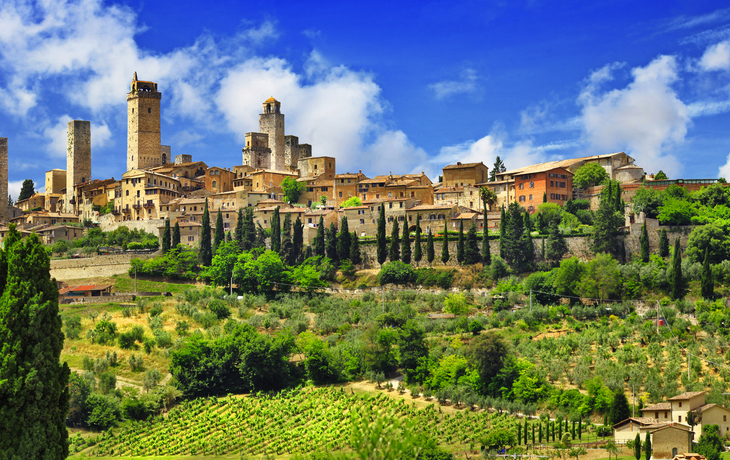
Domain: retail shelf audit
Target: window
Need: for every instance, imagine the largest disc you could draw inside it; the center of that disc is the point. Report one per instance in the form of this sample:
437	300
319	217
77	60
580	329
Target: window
532	184
522	185
362	221
127	192
656	415
191	238
401	204
680	419
324	189
340	194
680	405
522	198
530	197
724	418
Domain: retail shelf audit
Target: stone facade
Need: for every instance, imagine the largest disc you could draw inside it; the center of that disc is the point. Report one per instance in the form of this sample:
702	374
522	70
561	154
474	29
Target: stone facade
460	175
55	181
257	153
180	159
631	242
78	158
165	154
317	166
271	122
144	145
69	269
4	179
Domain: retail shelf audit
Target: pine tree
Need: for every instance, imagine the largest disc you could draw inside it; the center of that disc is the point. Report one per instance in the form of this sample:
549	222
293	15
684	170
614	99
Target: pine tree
298	239
176	235
34	397
318	242
708	284
394	251
276	231
343	240
220	235
430	254
460	243
405	244
471	247
287	247
503	224
239	228
206	251
380	236
417	252
556	245
166	237
355	256
679	283
663	243
331	244
644	243
445	247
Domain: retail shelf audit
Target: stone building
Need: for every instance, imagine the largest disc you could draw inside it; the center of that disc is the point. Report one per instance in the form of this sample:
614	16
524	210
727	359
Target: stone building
219	179
528	185
466	196
78	159
144	141
55	181
460	175
144	193
316	167
668	439
4	179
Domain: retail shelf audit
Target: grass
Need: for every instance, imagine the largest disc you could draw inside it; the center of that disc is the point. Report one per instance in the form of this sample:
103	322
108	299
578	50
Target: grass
124	283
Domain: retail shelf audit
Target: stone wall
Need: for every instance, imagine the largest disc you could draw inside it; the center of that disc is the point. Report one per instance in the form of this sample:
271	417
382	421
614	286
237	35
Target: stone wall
106	299
91	267
108	224
654	229
4	180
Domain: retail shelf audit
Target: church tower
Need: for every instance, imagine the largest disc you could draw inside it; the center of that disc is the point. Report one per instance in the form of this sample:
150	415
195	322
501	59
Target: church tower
144	149
271	122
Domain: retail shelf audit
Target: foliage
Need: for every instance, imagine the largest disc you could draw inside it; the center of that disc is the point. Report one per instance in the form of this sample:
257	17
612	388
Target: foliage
394	250
292	189
456	304
259	273
396	272
498	167
27	191
675	212
406	244
619	410
714	236
710	444
471	249
678	281
205	254
660	176
556	246
178	263
663	243
648	200
590	174
488	353
343	240
380	236
606	236
221	268
352	202
601	278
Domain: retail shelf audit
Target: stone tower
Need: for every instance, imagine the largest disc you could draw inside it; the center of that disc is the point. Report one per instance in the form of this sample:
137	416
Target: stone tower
4	217
271	122
144	145
78	158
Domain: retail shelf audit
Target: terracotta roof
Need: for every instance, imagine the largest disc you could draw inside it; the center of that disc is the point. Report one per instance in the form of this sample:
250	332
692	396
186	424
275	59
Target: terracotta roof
271	99
661	426
658	407
466	215
639	420
686	395
464	165
705	407
425	207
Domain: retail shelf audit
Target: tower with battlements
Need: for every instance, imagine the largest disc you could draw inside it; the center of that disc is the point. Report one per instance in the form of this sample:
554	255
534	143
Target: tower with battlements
78	158
271	122
144	146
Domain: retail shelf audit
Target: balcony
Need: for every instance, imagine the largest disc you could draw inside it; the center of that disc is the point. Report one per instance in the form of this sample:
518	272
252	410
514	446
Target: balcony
137	206
149	204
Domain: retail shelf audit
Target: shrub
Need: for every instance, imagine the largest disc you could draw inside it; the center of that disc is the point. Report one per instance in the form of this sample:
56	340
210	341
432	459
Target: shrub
127	341
429	277
163	338
219	309
396	272
104	410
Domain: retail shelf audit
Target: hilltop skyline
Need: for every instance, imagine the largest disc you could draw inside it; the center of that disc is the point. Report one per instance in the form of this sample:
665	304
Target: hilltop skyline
392	88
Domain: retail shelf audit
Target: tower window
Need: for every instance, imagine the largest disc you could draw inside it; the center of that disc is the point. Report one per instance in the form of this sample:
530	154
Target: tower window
149	110
132	110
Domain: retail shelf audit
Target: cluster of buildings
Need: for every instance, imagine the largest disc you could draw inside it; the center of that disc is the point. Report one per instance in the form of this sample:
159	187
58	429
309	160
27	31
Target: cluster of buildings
158	185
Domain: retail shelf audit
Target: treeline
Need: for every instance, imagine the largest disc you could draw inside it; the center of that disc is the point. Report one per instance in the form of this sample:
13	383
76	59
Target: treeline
94	238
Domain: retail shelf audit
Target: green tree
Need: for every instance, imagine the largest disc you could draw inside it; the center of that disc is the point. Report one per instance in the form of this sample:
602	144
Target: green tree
679	283
238	233
394	250
647	446
489	198
297	241
471	247
380	236
166	237
27	191
460	243
175	235
355	256
619	410
221	268
34	397
486	251
220	236
568	277
663	243
487	353
417	251
503	224
343	240
660	176
710	444
637	447
544	197
352	202
331	243
406	244
276	231
430	254
590	174
606	235
287	247
445	246
517	242
647	200
249	231
499	167
556	246
292	189
601	278
318	243
206	251
708	283
412	349
715	236
644	244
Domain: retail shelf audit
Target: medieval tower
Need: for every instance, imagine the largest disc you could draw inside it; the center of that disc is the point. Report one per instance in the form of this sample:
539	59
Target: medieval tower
4	217
271	122
144	148
78	158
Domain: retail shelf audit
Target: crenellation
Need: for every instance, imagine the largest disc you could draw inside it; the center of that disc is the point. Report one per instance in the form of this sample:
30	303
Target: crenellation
144	142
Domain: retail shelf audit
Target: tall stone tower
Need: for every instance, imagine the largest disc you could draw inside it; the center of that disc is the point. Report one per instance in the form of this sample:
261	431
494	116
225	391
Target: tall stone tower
4	217
78	158
144	145
271	122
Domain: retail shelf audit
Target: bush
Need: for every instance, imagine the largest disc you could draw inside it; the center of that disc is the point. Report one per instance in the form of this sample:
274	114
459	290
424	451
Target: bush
219	309
396	272
429	277
103	410
127	341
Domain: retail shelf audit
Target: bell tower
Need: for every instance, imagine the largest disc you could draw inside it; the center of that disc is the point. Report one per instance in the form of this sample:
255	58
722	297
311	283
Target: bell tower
271	122
144	144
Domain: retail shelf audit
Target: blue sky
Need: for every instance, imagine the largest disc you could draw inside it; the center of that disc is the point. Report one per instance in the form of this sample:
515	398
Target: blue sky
381	86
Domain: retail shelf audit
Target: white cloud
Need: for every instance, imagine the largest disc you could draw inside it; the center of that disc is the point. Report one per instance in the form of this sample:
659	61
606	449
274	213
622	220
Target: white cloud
465	85
725	169
645	119
684	22
14	188
56	136
716	57
185	137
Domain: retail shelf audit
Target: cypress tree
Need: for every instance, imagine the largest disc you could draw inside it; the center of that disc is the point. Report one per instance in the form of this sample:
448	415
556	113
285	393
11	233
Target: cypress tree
318	242
394	253
618	201
486	251
647	446
637	447
259	235
539	431
663	243
471	248
556	245
580	428
529	247
380	236
239	228
619	409
519	433
297	239
405	244
525	430
540	223
343	240
503	223
527	221
228	237
708	284
445	247
287	247
251	235
417	254
572	430
430	254
206	251
331	243
34	397
679	283
644	243
176	235
355	256
220	236
544	197
166	237
460	243
276	231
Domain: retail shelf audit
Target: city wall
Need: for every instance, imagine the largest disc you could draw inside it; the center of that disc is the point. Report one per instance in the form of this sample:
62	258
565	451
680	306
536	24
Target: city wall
92	267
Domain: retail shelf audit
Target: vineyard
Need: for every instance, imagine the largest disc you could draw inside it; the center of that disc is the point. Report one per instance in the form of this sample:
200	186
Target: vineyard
292	422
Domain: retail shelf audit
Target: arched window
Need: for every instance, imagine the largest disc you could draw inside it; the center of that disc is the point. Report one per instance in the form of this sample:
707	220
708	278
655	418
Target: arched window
164	158
214	184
